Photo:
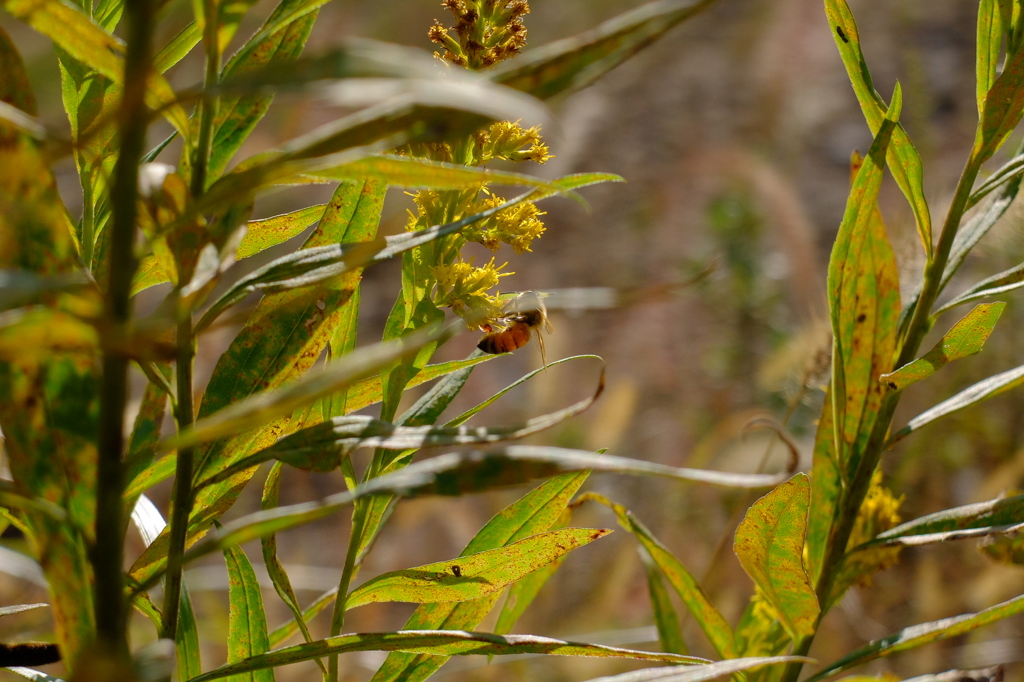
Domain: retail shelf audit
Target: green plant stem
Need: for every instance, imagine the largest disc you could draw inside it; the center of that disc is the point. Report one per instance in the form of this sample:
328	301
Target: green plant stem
208	108
920	324
108	551
181	505
347	574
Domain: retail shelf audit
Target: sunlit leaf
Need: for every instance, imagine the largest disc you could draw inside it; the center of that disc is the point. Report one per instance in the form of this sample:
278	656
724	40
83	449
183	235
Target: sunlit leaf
919	635
990	39
769	544
903	159
449	474
969	521
262	234
864	304
710	620
670	633
247	624
472	576
983	390
826	485
574	63
965	338
1003	108
1000	283
711	671
440	642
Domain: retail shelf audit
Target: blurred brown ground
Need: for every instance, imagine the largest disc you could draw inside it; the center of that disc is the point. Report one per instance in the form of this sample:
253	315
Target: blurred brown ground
734	134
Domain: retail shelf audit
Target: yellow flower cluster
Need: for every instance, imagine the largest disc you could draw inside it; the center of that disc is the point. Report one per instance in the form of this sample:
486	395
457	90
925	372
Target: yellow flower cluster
458	284
511	142
463	287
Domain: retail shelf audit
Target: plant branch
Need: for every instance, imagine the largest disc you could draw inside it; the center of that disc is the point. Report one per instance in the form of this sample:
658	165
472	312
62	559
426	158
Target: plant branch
181	505
108	551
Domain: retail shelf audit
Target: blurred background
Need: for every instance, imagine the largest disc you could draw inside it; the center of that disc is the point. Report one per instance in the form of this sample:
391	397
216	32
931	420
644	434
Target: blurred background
734	134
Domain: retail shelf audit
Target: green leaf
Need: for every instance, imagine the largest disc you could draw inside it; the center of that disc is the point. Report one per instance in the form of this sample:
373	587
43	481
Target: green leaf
177	47
983	390
670	632
187	650
713	624
1001	283
262	234
711	671
472	576
439	642
533	513
20	608
49	406
1003	108
969	521
769	544
280	40
573	63
247	622
904	161
1010	170
863	289
278	576
965	338
919	635
826	487
971	232
410	172
989	45
322	447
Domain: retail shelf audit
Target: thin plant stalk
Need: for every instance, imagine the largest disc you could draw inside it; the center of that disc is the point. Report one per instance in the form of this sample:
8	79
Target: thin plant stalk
108	551
181	503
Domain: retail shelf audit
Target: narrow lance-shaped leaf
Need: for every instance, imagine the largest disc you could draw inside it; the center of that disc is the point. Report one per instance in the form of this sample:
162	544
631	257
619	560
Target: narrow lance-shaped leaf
48	407
247	624
1004	106
769	544
281	39
278	576
969	521
710	620
826	487
264	407
1000	283
904	161
262	234
965	338
990	40
711	671
475	575
574	63
863	289
919	635
670	633
983	390
440	642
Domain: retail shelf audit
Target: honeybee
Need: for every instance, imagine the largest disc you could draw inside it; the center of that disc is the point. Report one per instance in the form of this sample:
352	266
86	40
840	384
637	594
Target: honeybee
523	315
